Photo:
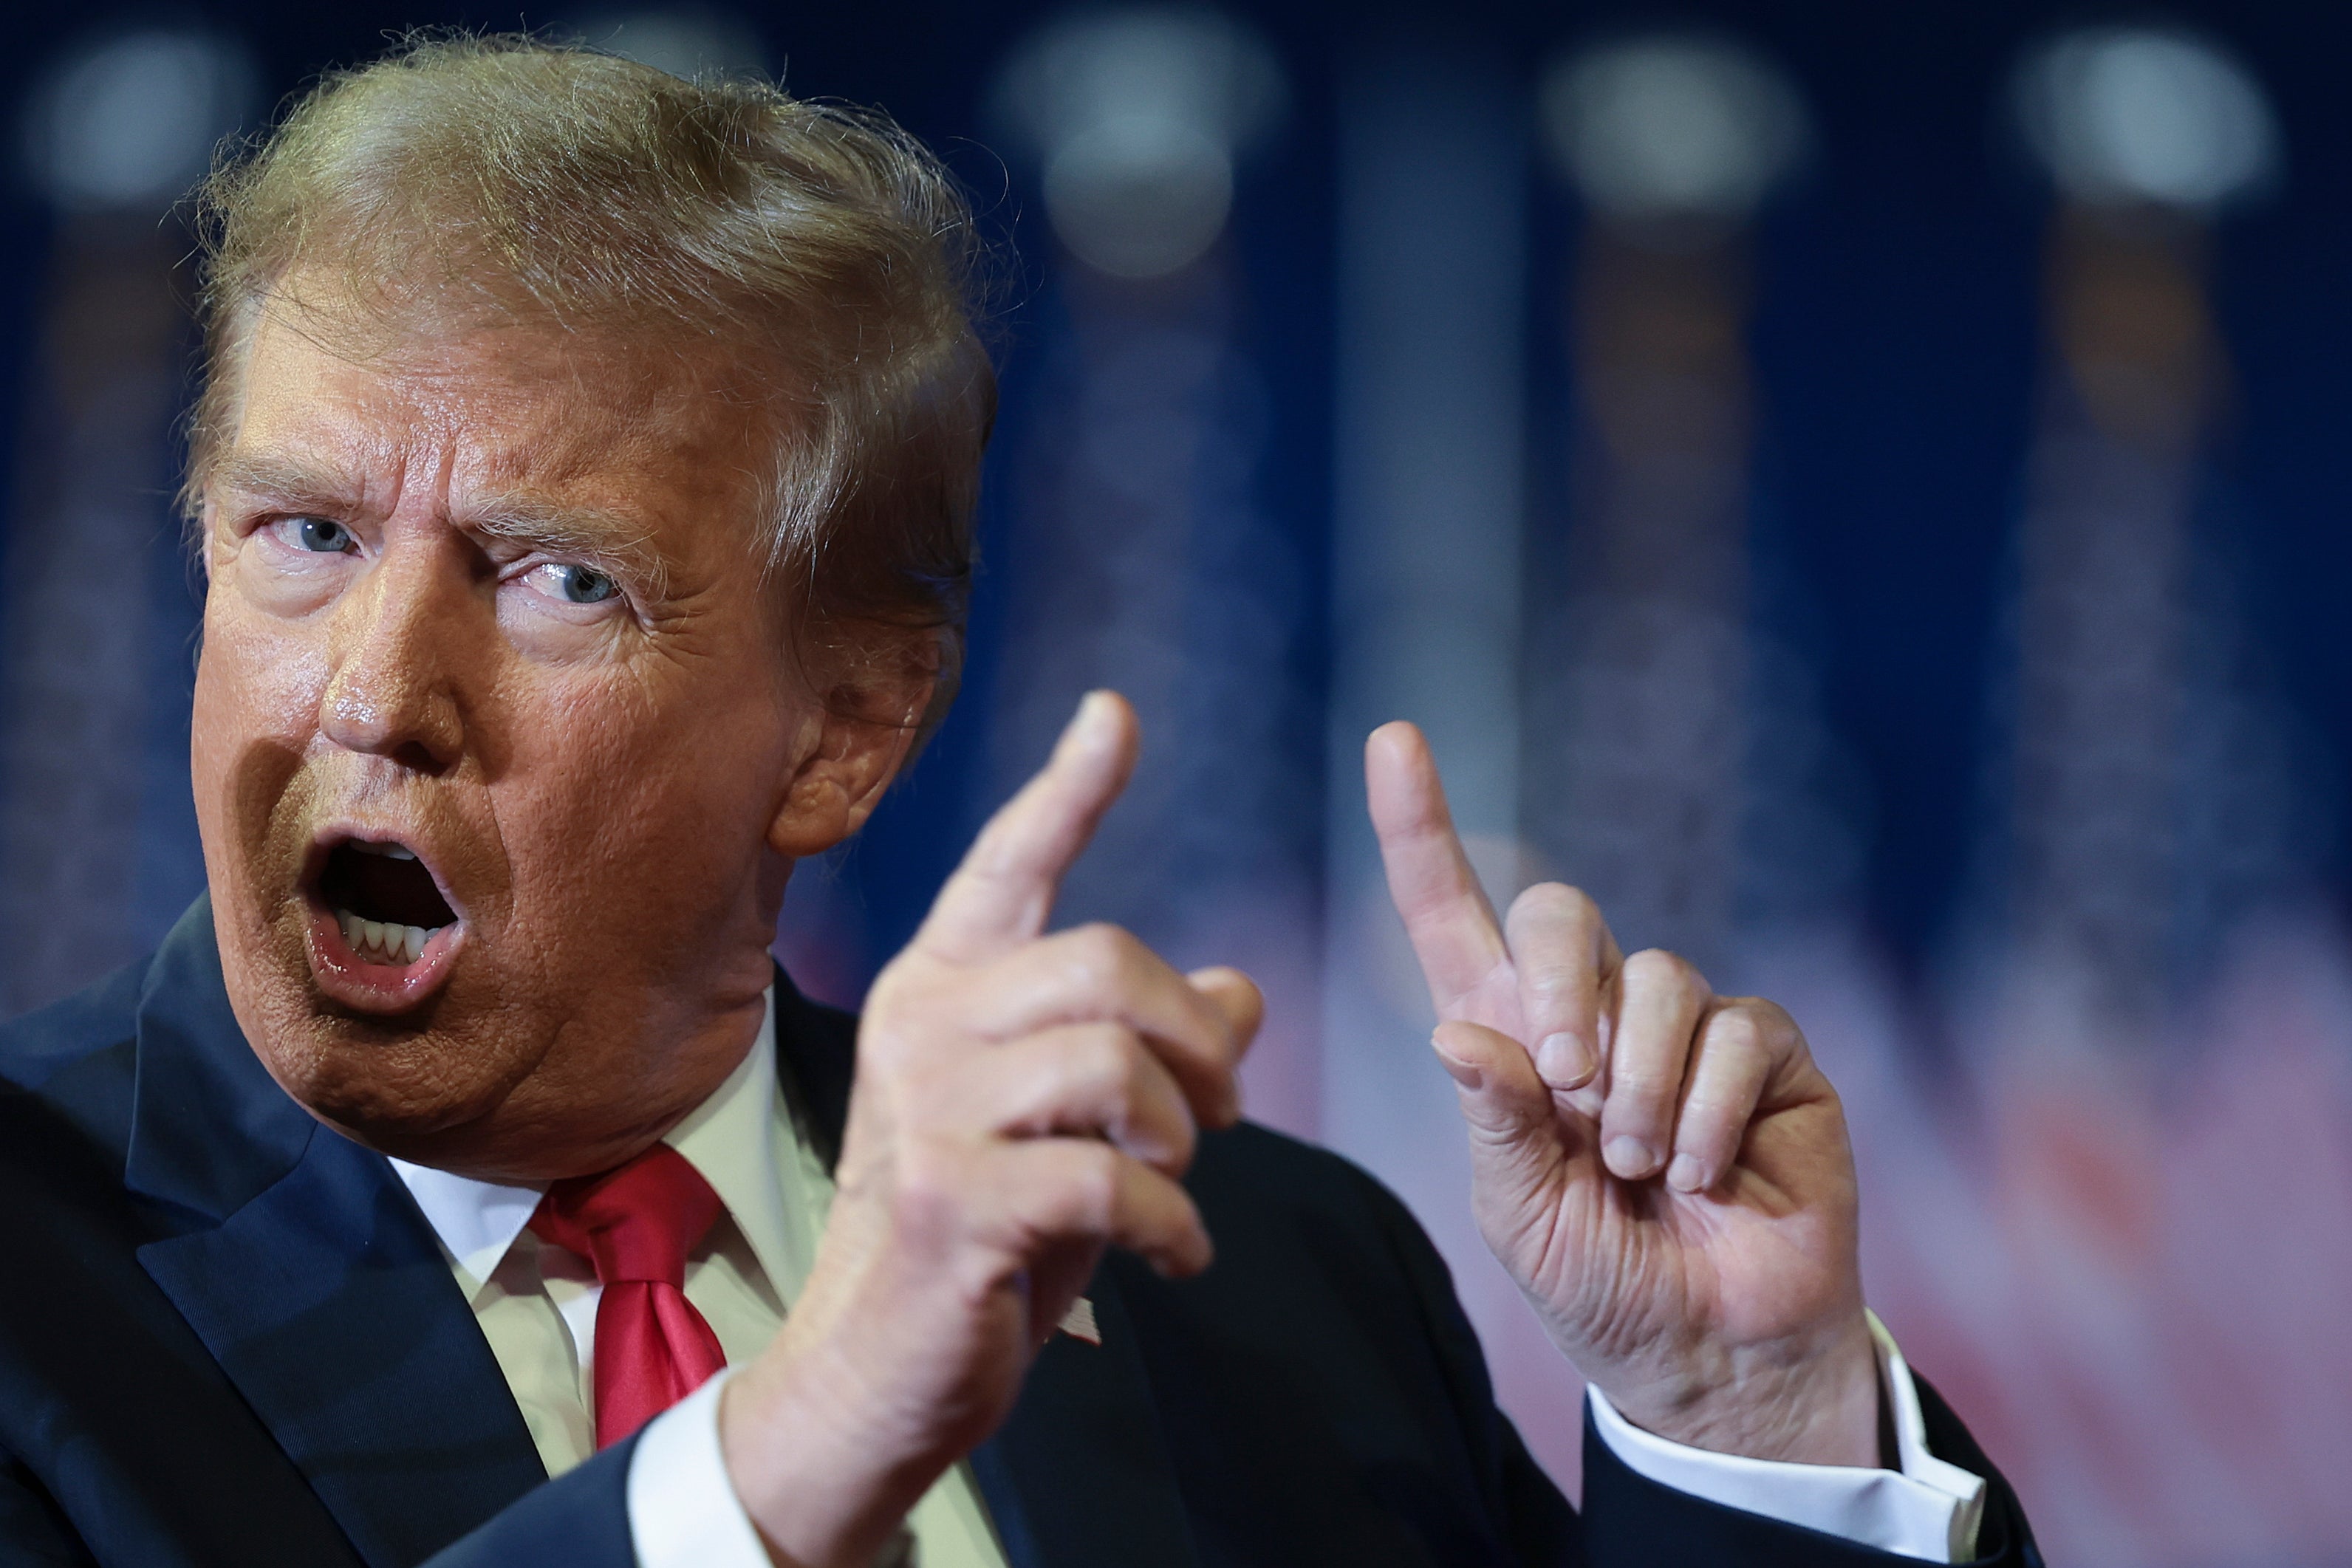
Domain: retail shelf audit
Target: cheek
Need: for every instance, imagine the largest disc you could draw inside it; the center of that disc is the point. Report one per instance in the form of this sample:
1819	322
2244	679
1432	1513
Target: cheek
257	678
256	710
247	745
637	804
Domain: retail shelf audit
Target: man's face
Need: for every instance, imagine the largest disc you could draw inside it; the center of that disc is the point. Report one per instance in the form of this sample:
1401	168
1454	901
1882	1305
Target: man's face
493	726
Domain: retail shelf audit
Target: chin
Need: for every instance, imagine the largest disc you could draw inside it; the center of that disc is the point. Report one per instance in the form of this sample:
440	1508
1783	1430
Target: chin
383	1087
389	1077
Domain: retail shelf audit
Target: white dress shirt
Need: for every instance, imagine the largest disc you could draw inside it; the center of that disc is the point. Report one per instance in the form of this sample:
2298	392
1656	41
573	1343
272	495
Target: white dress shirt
535	1305
1930	1509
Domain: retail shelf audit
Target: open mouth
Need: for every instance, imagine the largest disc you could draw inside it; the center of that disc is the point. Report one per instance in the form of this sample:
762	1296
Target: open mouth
386	901
382	931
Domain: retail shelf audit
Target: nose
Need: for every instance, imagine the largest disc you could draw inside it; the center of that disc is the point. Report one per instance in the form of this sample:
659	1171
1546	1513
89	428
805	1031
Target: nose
395	690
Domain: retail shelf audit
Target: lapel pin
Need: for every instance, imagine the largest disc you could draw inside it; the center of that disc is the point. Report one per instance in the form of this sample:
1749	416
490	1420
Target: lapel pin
1078	1323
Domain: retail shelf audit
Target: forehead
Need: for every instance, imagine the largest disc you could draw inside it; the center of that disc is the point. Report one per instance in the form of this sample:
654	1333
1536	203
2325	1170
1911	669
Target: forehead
497	407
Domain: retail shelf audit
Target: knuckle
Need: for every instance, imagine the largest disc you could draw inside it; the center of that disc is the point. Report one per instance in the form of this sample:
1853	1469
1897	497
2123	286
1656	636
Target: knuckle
1134	964
1656	967
1648	1073
927	1201
1542	900
908	1007
1560	897
1091	1186
1646	1093
1100	953
1735	1029
1106	1057
1766	1025
1650	1076
1649	966
1550	981
1577	907
1643	1120
990	864
1705	1108
1558	907
1543	989
1083	944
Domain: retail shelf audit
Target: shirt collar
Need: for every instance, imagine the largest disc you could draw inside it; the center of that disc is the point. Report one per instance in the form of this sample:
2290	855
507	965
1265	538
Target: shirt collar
730	1138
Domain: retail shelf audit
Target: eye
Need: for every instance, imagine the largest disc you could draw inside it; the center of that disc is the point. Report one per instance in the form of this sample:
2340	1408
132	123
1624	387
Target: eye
583	585
321	536
577	584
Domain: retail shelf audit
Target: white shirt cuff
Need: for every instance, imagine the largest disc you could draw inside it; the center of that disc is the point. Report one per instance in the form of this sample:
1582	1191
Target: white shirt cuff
1930	1510
683	1511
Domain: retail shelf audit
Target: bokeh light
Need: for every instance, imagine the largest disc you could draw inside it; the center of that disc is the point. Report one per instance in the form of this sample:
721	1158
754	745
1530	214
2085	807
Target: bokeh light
1674	129
130	121
2124	115
1137	118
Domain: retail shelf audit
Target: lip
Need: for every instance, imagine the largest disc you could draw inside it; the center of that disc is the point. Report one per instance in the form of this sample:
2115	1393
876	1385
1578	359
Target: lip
342	974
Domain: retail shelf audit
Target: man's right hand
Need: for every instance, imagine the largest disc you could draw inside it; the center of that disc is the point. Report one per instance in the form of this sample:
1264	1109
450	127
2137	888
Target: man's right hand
1021	1101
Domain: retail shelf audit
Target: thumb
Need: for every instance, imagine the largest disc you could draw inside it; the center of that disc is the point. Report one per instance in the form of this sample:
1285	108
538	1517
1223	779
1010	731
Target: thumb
1514	1124
1237	997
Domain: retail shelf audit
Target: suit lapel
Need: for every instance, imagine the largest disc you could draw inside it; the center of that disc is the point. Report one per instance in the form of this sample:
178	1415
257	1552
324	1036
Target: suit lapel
1080	1473
314	1282
309	1274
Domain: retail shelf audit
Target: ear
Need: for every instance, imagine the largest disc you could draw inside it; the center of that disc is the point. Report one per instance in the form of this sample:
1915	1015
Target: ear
859	747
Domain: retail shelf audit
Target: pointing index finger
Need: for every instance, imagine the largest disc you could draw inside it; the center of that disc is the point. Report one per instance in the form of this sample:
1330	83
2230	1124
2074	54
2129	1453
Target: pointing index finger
1444	909
1003	893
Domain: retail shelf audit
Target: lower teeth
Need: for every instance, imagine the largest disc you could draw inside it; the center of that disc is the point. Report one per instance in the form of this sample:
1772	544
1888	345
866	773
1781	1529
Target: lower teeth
378	942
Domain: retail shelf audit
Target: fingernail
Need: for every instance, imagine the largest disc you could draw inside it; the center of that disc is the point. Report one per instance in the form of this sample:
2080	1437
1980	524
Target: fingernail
1092	707
1565	1061
1461	1072
1686	1175
1630	1157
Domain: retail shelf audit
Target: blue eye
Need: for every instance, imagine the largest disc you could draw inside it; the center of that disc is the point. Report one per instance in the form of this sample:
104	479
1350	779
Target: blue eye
585	585
321	535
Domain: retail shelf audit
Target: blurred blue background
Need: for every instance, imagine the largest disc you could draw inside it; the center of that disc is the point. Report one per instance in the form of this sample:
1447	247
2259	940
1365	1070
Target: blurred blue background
1862	488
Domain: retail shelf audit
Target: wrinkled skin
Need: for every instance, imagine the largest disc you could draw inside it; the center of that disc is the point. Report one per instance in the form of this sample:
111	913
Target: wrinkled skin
609	794
609	789
1021	1101
1663	1172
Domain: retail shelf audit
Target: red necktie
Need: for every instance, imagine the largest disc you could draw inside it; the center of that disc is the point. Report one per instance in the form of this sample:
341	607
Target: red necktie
636	1223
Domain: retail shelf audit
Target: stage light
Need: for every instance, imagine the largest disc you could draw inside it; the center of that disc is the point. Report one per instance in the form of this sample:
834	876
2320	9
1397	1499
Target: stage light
128	123
2135	116
1136	117
1676	133
689	41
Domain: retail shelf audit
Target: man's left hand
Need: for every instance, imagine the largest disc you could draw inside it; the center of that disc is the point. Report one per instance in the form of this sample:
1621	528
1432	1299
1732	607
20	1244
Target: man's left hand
1664	1171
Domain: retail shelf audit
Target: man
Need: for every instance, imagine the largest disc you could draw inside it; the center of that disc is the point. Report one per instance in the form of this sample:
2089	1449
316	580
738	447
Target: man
584	480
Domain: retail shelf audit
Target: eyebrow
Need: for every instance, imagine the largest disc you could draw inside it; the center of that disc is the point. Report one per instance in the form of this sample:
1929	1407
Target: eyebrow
288	478
611	538
597	534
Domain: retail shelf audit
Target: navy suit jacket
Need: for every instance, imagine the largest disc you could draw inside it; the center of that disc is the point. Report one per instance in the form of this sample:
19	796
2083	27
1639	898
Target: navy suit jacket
228	1337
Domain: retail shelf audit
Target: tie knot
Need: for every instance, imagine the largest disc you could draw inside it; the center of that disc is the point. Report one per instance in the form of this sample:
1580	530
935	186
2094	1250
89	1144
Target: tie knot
634	1222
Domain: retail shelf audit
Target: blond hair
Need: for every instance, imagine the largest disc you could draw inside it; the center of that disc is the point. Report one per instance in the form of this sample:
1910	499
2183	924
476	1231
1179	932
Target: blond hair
821	245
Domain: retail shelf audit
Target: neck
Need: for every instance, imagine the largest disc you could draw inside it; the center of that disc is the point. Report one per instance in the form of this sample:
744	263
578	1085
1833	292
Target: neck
587	1110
